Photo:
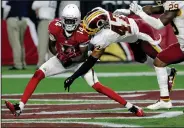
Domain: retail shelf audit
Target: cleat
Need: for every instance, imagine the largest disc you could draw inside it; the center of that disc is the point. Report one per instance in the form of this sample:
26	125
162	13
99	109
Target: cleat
171	79
136	110
160	105
14	108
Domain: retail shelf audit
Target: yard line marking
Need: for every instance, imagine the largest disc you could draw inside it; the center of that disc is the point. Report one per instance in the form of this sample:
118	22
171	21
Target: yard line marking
93	123
99	101
16	94
161	115
128	95
89	112
113	109
100	74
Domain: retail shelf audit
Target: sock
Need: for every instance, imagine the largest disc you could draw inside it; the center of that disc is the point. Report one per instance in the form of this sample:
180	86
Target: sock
31	86
109	92
21	105
162	78
128	105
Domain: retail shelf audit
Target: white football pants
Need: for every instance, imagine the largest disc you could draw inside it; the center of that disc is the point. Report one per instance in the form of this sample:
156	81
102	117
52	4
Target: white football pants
53	67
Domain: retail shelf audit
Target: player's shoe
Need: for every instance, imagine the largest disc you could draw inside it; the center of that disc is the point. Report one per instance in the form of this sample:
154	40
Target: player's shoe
171	79
14	108
136	110
160	105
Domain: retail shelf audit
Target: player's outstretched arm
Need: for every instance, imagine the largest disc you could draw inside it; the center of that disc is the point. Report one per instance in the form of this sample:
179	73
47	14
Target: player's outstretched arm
86	66
159	23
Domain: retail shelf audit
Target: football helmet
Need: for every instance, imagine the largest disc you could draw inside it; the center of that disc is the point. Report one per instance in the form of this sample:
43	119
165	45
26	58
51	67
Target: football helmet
70	17
95	20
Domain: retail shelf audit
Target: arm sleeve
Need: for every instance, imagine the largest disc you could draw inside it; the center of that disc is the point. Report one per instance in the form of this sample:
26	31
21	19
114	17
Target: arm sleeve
152	21
86	66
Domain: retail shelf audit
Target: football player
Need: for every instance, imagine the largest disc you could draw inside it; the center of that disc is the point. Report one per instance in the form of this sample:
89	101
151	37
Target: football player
71	42
172	12
107	28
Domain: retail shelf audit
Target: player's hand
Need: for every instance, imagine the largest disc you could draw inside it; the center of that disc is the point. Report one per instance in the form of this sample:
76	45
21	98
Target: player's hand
73	54
62	57
66	62
135	8
68	83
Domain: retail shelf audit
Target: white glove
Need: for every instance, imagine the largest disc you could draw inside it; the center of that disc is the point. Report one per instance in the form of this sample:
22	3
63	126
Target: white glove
125	12
134	7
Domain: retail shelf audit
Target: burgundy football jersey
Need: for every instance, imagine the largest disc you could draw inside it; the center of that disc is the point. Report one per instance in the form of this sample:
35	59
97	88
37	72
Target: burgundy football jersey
66	45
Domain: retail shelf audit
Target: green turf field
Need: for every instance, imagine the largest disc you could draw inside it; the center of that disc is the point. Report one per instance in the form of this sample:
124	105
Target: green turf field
120	83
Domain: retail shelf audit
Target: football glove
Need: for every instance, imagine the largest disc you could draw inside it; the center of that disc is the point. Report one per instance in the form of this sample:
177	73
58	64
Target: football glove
135	8
68	83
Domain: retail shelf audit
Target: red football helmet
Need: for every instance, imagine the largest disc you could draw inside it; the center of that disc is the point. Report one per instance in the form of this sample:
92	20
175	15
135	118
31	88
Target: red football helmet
95	20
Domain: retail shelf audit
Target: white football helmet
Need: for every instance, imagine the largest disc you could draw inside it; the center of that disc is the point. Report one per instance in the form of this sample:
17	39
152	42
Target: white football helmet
71	17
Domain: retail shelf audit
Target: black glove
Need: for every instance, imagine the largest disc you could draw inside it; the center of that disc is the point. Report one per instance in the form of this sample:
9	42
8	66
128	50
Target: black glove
68	82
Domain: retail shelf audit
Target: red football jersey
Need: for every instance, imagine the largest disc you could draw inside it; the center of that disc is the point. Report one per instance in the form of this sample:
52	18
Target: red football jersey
64	44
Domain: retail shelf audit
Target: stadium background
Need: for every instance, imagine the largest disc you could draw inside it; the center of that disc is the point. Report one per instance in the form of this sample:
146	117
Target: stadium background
116	52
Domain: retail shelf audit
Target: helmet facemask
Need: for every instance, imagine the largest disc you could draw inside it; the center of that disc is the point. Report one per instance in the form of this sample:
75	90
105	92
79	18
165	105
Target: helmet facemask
70	24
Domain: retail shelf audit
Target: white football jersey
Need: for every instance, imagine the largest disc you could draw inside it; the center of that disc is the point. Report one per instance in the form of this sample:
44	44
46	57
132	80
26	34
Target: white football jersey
121	29
179	20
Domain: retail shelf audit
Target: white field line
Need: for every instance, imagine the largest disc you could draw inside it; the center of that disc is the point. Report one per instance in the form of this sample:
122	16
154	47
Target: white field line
162	115
101	74
72	112
16	94
128	95
70	122
113	109
78	111
2	109
125	96
99	101
84	112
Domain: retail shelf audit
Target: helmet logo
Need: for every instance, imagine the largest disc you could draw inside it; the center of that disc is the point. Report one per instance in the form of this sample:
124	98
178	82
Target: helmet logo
100	23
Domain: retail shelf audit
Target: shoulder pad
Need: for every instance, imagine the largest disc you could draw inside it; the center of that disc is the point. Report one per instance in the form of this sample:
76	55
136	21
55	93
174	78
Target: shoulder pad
55	26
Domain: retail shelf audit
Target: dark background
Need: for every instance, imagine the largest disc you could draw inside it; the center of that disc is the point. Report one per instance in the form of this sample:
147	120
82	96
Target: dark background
87	5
